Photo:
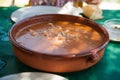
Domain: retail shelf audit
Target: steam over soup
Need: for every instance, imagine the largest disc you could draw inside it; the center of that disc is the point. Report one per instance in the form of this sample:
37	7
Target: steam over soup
59	38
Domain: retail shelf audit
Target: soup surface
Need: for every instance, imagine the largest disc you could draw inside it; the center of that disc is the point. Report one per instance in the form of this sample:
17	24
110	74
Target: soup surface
59	38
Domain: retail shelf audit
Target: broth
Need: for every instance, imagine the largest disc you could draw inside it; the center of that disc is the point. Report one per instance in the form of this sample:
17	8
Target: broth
59	37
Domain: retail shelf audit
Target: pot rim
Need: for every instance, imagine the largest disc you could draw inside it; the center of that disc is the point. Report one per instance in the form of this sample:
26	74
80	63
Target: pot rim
95	50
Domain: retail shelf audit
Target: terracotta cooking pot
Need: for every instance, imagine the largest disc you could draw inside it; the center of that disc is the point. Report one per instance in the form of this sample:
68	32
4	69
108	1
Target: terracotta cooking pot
58	63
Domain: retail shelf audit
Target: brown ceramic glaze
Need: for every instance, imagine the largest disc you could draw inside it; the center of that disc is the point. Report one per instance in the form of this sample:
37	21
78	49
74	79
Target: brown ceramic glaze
58	63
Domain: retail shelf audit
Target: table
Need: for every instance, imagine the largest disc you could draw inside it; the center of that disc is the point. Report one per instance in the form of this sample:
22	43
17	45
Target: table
108	68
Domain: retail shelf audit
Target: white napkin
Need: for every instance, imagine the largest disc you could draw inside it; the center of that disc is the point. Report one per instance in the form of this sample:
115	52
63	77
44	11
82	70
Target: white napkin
69	8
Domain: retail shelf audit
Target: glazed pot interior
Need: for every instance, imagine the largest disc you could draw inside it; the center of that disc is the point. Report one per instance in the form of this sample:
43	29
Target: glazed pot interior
59	17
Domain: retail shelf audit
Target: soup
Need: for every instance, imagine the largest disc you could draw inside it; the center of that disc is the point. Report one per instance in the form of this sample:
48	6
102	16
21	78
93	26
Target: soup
59	37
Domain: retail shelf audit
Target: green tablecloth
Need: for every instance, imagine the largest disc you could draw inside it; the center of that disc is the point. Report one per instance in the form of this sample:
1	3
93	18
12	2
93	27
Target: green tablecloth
107	69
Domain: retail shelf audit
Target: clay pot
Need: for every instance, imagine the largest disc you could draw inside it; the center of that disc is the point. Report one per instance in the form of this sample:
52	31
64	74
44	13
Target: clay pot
58	63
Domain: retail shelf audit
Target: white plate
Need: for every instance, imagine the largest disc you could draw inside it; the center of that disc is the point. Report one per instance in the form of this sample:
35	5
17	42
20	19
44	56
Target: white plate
33	76
113	28
26	12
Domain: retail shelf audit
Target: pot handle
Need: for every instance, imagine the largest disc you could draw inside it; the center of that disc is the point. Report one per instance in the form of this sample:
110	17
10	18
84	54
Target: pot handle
93	56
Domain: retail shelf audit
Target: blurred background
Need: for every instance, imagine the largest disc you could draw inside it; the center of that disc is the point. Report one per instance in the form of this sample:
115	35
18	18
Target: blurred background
106	4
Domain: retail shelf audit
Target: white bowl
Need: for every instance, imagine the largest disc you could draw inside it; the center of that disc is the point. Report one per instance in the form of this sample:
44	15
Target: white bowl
113	28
